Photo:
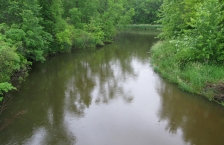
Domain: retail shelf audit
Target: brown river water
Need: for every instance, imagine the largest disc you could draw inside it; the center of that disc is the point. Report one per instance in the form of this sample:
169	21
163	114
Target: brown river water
109	96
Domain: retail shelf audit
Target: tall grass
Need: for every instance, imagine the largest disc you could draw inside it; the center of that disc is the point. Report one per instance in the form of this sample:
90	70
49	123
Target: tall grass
194	77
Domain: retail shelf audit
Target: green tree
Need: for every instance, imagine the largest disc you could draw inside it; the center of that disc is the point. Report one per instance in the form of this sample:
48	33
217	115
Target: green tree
196	29
145	11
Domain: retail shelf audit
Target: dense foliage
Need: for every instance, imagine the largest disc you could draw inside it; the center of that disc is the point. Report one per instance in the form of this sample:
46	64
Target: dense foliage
146	11
30	30
195	27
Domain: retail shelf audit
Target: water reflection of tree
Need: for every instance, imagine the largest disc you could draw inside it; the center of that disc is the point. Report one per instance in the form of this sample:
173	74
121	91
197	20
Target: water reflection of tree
201	122
103	71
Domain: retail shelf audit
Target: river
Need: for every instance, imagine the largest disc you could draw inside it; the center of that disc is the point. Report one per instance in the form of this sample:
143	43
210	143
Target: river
109	96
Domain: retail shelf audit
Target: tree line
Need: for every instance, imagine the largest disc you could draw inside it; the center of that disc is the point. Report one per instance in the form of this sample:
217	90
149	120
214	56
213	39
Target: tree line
30	30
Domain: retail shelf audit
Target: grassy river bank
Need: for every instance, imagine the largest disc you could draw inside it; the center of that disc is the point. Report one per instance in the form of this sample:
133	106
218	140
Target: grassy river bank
205	79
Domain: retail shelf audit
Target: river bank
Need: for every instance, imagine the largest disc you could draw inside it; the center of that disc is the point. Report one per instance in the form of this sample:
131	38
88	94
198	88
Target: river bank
195	77
143	27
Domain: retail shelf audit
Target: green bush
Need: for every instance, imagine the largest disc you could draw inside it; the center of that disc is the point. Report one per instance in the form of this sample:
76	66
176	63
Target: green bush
206	37
196	29
83	39
4	88
10	61
95	28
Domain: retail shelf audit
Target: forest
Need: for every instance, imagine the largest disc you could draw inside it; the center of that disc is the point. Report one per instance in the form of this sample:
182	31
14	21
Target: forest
32	30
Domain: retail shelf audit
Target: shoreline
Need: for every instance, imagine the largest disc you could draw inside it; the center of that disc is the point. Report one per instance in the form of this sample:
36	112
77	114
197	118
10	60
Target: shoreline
197	78
143	27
